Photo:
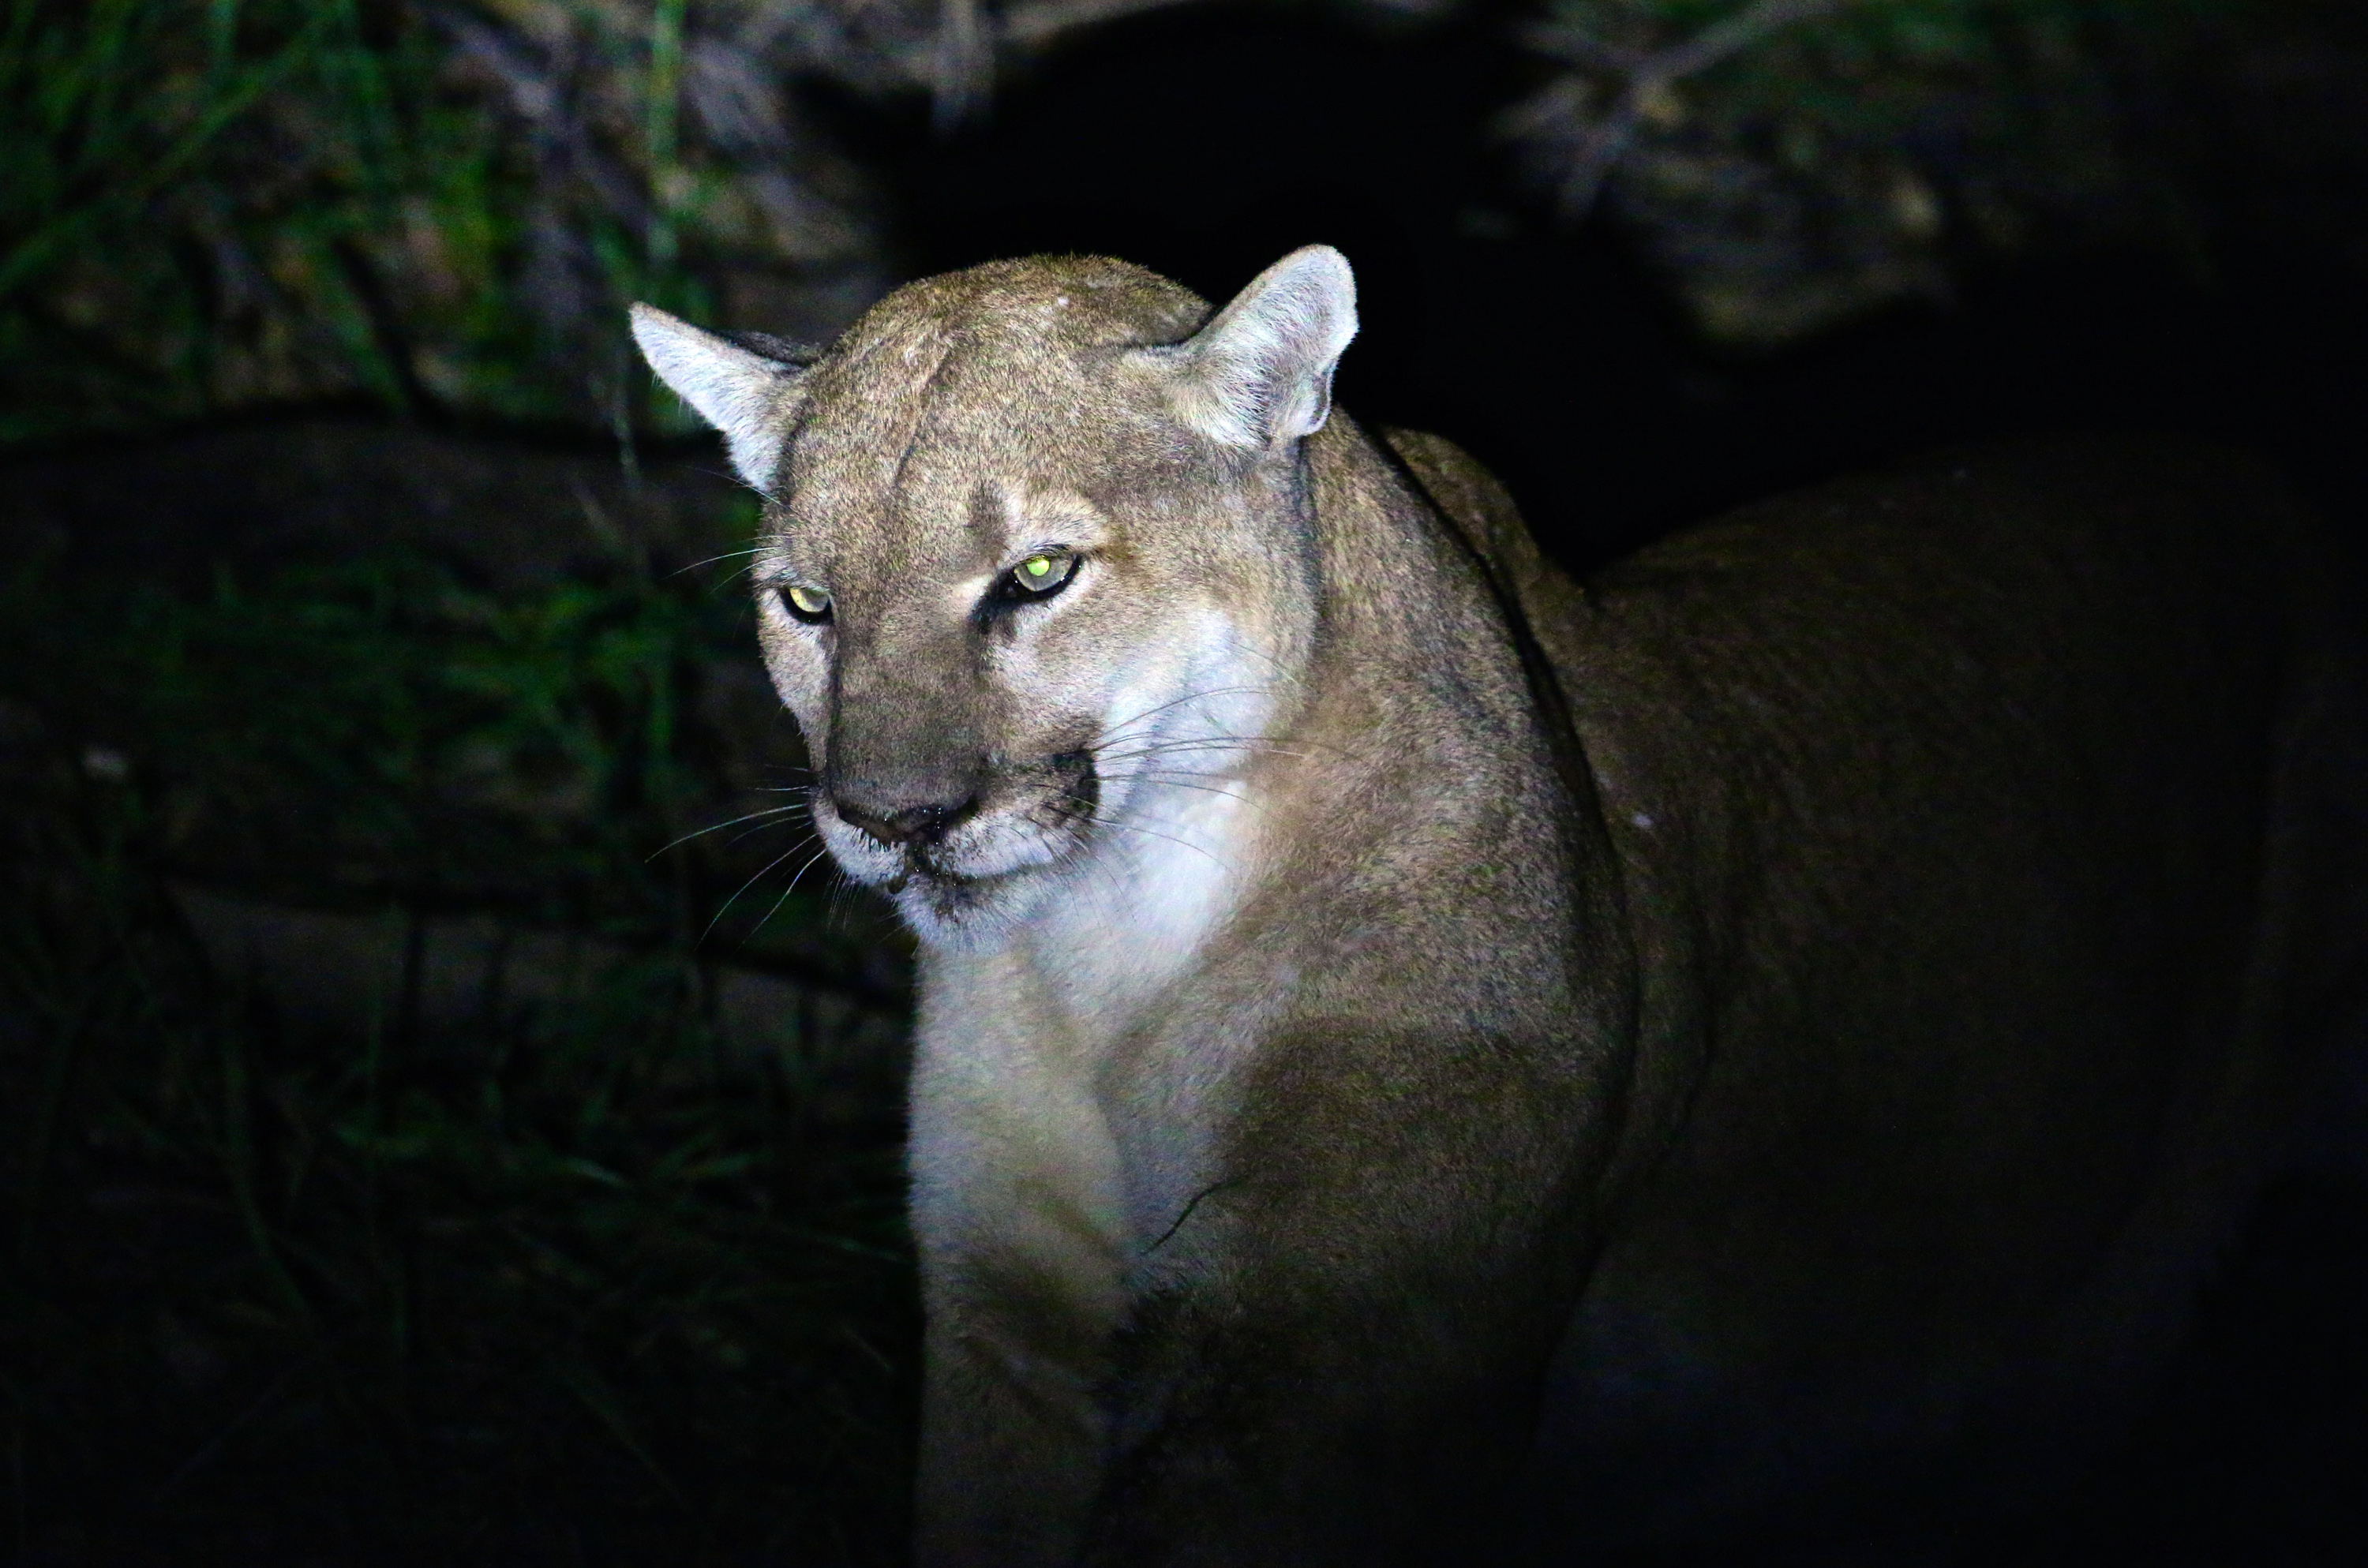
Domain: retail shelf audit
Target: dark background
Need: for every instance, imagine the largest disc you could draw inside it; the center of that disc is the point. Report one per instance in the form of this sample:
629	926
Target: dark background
1205	144
532	1266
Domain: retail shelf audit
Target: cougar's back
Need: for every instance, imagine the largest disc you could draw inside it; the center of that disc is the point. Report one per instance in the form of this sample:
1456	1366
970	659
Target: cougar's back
1992	835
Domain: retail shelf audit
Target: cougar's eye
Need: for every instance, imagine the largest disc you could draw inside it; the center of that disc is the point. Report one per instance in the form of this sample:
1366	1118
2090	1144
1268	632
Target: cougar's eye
1040	575
809	605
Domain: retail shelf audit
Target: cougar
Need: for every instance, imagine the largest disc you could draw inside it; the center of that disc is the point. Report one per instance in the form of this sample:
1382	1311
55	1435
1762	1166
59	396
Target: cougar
1421	1060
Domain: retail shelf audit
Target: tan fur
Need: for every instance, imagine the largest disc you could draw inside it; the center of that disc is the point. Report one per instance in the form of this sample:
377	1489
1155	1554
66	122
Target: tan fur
1417	1061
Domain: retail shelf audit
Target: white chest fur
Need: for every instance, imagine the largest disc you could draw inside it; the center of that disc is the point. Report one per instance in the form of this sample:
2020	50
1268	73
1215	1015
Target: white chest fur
1135	918
1019	1159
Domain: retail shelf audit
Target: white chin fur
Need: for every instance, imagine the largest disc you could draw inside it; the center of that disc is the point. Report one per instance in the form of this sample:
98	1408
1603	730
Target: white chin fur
971	915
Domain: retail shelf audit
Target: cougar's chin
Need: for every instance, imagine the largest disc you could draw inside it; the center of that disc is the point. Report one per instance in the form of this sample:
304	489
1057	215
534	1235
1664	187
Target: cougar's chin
966	914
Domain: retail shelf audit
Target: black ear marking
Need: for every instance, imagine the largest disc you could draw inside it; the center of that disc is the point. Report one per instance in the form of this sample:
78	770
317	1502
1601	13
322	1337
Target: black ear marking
780	350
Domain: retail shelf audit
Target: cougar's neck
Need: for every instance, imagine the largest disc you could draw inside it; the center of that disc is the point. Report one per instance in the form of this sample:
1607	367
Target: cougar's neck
1416	686
1392	728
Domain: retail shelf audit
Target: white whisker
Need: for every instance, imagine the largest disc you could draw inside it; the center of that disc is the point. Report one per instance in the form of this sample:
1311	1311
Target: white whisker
1209	742
727	555
744	888
762	827
736	822
1113	732
1185	782
1099	821
796	878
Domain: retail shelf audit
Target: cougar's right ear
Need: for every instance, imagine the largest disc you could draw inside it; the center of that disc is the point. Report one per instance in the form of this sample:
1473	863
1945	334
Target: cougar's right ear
749	395
1259	375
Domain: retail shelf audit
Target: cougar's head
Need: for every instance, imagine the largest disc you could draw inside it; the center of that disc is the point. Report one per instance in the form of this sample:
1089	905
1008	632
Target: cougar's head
1038	558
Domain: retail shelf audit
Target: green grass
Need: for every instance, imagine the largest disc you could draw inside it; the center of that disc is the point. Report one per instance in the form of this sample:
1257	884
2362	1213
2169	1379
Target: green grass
577	1282
581	1277
222	204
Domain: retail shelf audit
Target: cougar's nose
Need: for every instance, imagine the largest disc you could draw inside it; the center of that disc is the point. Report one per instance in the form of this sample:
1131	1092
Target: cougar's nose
892	821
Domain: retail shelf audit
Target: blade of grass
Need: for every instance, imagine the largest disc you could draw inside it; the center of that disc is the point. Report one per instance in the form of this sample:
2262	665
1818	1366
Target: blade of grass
597	1397
36	249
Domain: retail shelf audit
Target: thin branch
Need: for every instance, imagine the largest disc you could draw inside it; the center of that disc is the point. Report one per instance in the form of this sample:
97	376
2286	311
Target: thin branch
1599	146
1035	22
1730	36
962	66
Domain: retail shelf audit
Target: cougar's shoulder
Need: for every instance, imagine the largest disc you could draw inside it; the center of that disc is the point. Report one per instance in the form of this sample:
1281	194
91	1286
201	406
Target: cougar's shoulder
1483	512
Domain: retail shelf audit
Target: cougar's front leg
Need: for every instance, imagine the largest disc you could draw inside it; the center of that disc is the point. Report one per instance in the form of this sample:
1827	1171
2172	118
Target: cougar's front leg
1011	1438
1018	1230
1341	1364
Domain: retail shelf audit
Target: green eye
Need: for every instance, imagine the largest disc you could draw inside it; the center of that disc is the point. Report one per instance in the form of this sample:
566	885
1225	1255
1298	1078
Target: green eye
1047	572
808	605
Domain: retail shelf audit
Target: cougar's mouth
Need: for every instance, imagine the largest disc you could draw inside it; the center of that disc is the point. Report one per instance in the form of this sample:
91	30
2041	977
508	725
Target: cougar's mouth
1030	820
1033	818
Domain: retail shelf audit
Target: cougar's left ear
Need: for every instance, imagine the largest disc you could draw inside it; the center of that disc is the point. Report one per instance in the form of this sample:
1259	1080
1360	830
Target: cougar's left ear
1259	375
749	389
